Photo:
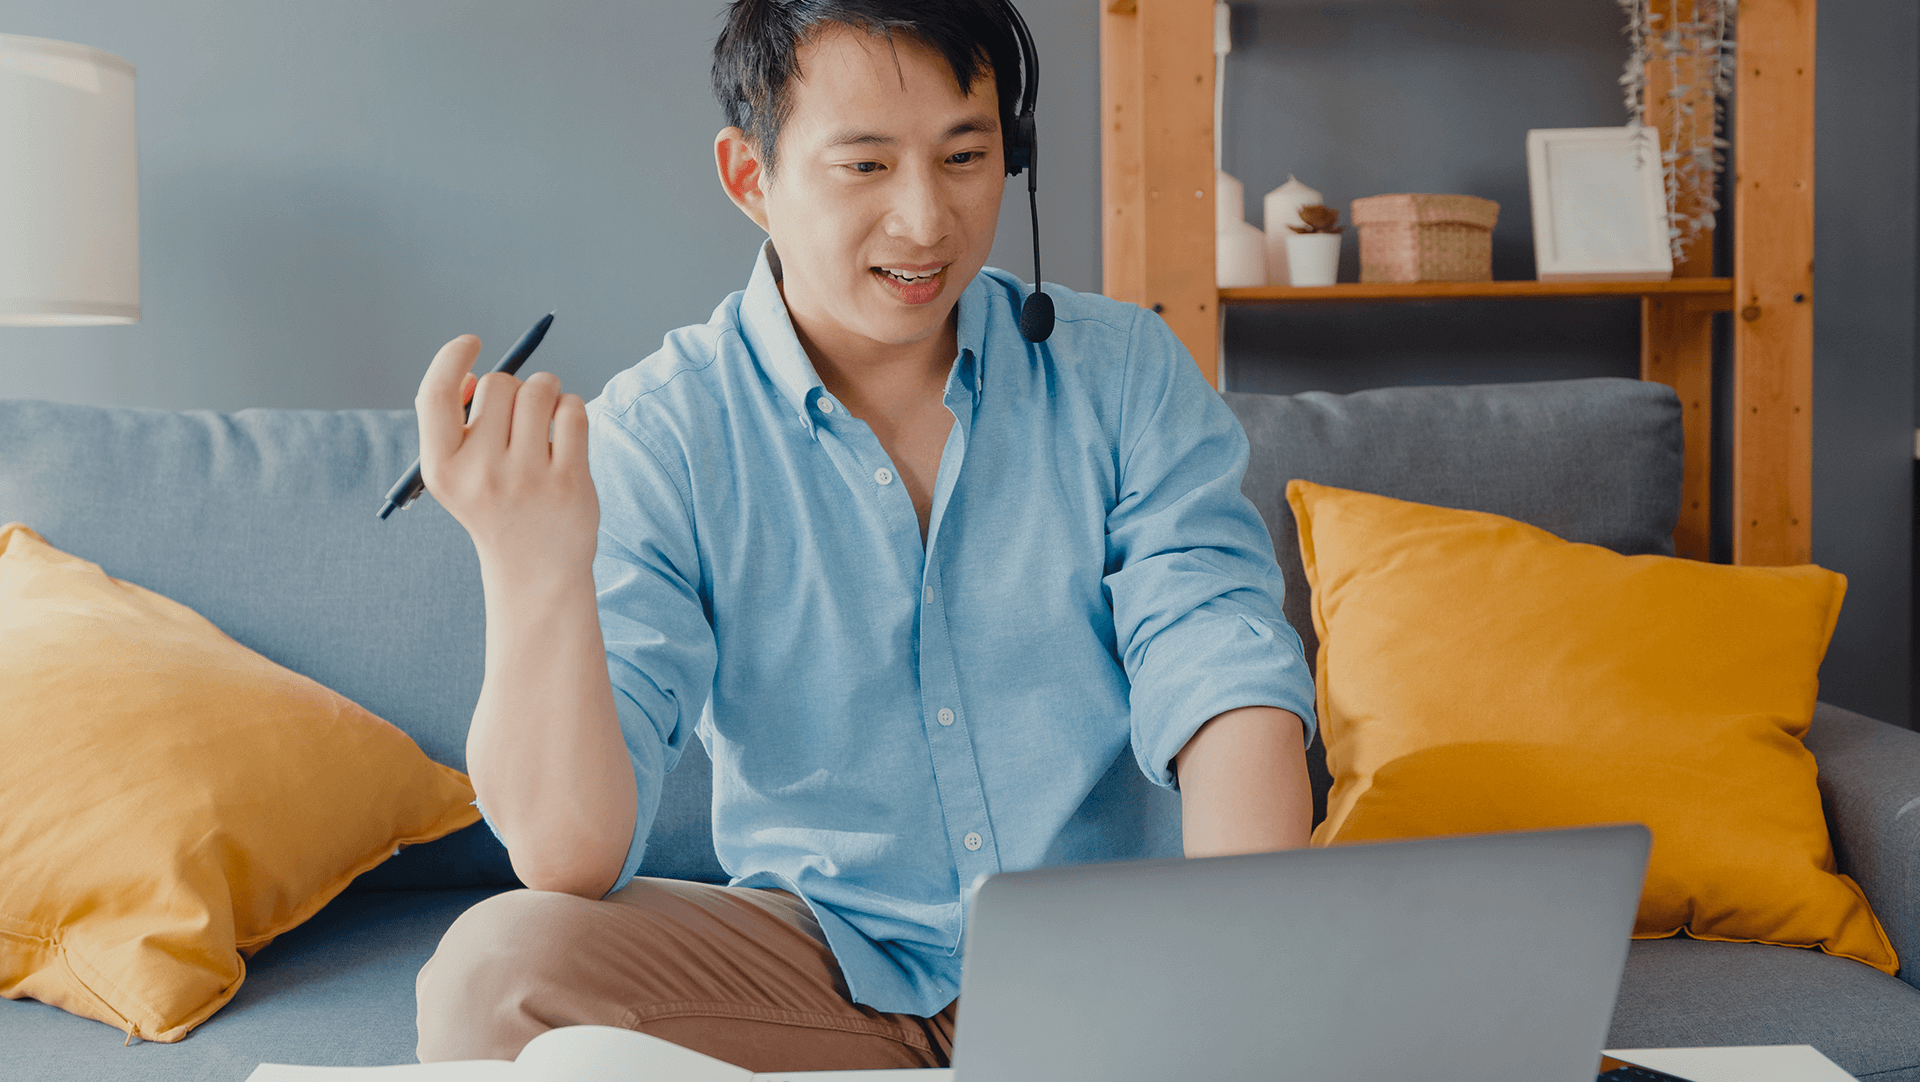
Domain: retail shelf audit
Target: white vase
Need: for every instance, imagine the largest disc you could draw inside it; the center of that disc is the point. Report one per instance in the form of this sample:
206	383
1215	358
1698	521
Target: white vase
1313	259
1282	207
1240	256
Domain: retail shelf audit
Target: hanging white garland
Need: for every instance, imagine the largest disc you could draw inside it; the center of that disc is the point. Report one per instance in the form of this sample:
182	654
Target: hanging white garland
1697	50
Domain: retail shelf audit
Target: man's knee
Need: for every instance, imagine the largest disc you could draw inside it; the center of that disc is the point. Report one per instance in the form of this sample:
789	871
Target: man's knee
472	995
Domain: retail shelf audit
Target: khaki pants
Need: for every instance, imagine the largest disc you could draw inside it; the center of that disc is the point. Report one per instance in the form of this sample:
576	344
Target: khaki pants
741	975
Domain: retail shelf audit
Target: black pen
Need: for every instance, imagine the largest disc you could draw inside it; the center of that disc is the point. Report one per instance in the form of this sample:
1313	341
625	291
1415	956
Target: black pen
410	486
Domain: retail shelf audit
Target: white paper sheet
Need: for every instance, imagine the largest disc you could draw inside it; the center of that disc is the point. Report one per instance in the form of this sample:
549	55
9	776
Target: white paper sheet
1758	1063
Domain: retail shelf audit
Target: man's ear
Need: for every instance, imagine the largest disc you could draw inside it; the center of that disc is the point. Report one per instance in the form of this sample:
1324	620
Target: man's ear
740	173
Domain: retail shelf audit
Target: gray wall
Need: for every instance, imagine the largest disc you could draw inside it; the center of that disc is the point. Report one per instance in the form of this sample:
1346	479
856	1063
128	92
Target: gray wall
330	191
1864	349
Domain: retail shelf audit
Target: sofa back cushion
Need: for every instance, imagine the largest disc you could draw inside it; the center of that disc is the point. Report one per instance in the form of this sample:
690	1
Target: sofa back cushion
264	521
1594	460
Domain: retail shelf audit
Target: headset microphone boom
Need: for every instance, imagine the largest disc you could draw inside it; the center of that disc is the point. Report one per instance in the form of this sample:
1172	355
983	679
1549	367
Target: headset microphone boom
1023	149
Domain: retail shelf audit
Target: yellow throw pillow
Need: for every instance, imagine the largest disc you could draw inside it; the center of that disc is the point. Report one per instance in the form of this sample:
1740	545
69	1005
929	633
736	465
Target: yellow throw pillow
171	800
1477	674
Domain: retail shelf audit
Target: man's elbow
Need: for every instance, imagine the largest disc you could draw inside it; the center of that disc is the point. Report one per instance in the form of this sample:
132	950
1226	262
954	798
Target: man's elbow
580	858
574	847
570	874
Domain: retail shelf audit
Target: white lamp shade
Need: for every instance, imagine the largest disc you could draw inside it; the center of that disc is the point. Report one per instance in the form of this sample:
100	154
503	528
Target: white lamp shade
69	186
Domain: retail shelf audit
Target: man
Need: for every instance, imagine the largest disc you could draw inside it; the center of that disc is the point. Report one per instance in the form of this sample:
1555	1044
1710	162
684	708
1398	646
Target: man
923	588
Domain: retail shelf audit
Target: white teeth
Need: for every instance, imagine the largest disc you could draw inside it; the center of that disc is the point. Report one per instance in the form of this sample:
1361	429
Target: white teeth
906	277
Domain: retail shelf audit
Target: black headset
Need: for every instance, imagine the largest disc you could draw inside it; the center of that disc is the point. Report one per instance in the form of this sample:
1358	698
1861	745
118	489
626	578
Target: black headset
1022	149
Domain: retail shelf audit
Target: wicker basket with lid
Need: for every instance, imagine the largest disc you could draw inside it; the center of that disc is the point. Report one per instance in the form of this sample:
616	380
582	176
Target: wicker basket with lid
1425	238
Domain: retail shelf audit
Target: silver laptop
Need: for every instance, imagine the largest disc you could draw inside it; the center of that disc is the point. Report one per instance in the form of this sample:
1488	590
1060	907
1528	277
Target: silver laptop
1490	958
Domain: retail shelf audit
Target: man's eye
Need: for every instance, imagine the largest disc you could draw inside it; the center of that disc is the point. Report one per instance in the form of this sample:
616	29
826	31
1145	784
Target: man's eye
967	157
866	167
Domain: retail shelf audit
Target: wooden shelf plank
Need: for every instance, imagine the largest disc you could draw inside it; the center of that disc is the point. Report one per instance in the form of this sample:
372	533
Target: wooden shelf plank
1156	172
1676	348
1773	123
1718	292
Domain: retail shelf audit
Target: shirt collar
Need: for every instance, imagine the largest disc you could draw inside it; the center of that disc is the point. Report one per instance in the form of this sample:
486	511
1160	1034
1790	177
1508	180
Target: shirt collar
770	336
971	334
769	333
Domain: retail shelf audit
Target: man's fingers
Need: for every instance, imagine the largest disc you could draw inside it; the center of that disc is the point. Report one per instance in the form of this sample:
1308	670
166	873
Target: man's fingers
532	414
438	401
569	432
491	417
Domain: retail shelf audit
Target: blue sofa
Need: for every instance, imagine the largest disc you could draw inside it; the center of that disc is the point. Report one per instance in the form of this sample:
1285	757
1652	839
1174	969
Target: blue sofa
263	521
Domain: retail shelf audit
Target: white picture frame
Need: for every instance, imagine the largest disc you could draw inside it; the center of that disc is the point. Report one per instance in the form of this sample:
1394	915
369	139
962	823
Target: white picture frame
1599	205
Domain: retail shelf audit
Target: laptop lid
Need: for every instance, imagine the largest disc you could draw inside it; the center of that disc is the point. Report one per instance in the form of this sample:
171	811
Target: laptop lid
1491	957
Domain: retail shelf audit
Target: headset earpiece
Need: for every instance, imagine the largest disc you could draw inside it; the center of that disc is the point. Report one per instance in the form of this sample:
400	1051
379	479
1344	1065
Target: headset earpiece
1020	144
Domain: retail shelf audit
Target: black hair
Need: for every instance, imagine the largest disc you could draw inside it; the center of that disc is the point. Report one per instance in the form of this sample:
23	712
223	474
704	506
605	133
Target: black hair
754	59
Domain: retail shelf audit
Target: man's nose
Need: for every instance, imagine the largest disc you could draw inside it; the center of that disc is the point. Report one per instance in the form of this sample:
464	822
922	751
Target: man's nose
922	210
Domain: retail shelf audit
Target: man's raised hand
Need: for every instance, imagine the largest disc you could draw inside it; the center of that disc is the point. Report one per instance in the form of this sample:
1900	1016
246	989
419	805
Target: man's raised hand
514	471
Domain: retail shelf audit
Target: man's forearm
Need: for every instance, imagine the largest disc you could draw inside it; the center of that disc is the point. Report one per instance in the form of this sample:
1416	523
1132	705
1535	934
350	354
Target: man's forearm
545	752
1243	784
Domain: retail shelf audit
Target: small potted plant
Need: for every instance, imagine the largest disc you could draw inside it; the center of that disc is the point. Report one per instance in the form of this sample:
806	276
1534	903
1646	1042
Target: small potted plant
1313	250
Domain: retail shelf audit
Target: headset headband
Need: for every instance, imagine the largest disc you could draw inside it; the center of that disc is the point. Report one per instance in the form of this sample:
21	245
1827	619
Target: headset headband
1021	144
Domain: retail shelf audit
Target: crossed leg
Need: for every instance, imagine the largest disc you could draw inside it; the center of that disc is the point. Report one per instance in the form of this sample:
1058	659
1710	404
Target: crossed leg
738	974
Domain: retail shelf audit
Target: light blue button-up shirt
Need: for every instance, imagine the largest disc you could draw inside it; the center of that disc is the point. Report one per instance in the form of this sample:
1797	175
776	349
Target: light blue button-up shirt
889	721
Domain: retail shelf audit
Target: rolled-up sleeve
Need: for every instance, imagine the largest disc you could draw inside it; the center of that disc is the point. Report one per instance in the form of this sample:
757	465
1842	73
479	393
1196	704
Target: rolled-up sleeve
646	574
1192	580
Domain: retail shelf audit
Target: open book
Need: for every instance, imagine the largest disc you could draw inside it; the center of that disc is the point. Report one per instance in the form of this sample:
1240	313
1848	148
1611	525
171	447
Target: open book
583	1054
606	1054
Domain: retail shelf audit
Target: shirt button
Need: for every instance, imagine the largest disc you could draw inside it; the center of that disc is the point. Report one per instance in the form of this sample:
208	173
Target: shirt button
946	716
826	405
929	595
883	475
972	841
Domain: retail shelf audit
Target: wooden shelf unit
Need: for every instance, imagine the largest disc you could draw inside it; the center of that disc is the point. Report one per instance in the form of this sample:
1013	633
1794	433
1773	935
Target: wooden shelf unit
1156	89
1716	293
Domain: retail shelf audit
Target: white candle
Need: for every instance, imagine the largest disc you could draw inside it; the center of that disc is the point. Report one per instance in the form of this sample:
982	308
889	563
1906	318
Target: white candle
1229	201
1239	256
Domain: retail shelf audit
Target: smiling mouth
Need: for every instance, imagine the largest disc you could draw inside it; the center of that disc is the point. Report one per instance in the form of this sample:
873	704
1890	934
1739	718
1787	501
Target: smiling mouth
910	286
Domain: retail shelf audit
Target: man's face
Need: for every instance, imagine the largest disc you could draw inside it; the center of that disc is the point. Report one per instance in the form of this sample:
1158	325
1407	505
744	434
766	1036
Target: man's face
886	191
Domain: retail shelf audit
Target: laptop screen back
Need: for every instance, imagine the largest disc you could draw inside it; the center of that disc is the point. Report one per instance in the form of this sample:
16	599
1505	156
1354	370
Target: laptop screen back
1490	957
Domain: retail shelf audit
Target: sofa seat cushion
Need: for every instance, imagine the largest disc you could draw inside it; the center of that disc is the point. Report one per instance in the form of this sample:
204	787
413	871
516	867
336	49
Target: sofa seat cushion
338	990
1684	993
